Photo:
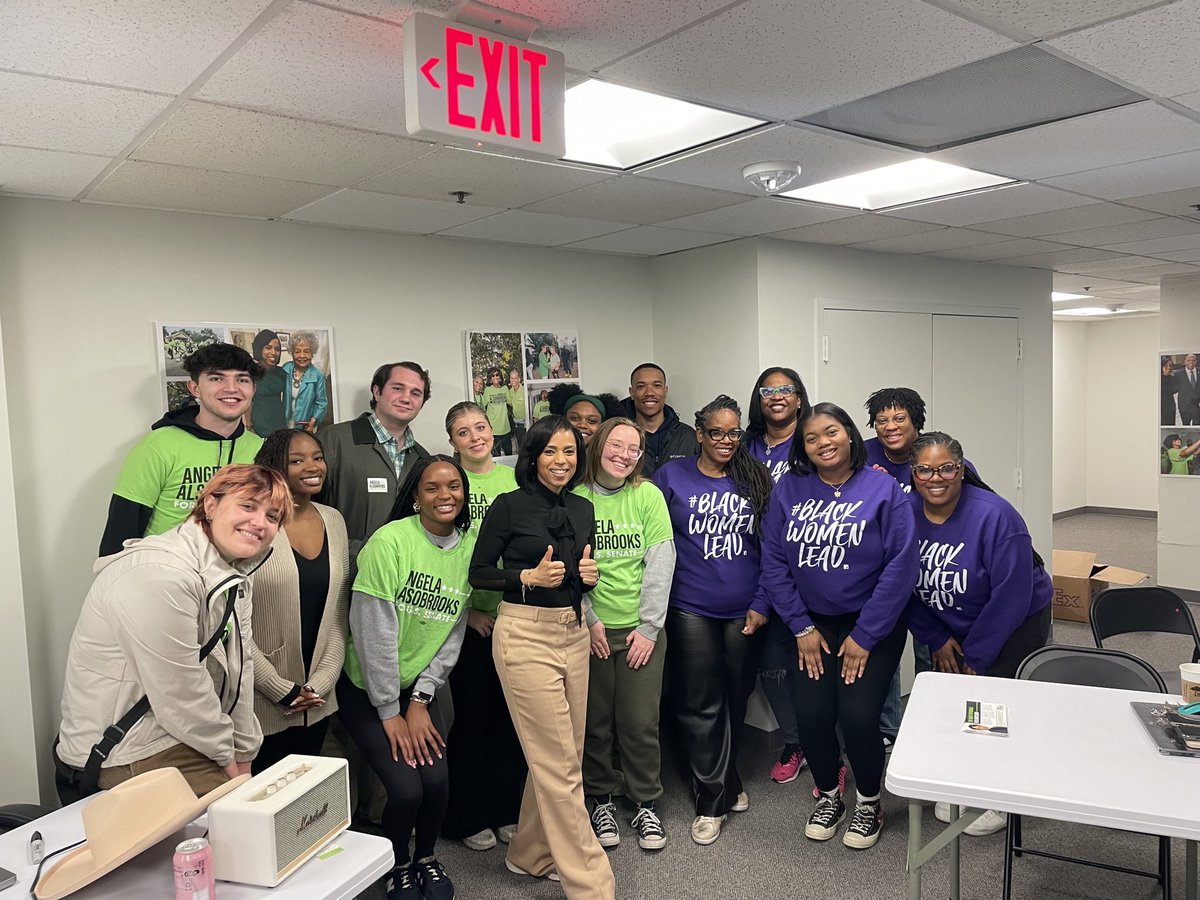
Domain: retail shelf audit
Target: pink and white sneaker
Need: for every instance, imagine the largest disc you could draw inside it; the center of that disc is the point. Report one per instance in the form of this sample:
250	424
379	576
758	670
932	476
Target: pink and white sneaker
791	761
841	783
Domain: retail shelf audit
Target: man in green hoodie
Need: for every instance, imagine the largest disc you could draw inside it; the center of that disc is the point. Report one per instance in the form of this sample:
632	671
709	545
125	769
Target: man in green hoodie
166	469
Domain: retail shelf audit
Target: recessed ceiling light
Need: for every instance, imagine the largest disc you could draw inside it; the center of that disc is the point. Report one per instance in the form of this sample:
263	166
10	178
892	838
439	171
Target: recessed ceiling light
620	127
1090	311
902	184
1059	296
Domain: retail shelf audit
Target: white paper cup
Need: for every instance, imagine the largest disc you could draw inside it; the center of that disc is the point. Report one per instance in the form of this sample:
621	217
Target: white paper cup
1189	677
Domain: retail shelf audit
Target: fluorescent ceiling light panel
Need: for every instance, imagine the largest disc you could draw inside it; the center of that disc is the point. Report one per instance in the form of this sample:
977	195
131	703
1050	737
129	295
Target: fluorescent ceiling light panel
1090	311
1059	296
902	184
620	127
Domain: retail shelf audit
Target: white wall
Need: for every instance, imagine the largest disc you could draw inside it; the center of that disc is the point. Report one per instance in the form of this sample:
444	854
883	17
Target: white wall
793	277
1179	498
1122	409
80	289
1071	443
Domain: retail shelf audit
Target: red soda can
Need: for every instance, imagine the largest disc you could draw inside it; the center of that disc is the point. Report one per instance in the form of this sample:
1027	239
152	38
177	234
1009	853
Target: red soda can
194	871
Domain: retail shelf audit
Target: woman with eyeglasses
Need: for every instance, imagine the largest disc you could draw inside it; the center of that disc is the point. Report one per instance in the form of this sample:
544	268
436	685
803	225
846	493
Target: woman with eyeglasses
839	565
635	553
716	501
982	600
778	400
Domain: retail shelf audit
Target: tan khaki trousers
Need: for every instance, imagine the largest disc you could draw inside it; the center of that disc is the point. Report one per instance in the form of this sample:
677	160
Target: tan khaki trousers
202	774
542	659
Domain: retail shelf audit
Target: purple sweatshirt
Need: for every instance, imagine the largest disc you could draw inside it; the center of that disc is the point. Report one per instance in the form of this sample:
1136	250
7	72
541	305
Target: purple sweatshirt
775	458
716	551
977	581
832	556
902	472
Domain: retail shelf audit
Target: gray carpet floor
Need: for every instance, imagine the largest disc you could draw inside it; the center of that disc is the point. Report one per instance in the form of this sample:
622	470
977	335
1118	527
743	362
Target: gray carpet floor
762	853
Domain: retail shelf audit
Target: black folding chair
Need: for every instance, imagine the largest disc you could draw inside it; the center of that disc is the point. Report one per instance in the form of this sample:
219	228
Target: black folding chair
1153	609
1097	668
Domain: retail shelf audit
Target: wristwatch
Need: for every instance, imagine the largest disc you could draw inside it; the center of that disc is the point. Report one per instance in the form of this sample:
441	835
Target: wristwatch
806	631
421	697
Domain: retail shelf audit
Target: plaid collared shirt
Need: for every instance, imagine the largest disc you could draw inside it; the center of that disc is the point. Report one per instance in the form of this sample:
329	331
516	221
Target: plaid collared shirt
395	452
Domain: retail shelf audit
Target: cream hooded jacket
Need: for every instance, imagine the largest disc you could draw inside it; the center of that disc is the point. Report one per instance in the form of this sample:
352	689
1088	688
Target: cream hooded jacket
150	610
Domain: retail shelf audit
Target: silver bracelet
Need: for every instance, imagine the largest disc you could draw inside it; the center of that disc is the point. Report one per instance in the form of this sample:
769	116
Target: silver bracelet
804	632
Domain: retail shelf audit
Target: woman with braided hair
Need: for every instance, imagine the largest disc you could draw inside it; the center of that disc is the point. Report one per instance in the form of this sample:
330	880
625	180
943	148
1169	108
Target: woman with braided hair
716	501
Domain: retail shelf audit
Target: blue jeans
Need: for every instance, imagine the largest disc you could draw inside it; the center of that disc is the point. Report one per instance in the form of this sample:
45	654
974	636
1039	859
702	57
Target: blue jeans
778	668
889	719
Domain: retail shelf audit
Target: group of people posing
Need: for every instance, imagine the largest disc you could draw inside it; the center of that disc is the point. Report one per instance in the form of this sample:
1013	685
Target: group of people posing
551	600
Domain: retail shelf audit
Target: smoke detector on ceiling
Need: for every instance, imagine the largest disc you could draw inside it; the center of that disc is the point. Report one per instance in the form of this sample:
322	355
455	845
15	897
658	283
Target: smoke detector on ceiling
771	177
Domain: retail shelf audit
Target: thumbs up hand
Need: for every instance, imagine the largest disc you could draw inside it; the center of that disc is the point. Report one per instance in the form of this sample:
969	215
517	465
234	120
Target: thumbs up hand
589	574
546	574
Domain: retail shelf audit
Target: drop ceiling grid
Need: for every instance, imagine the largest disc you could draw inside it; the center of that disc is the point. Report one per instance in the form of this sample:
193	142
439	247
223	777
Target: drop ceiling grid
520	227
1107	138
931	241
47	173
205	135
1092	214
1041	18
636	200
1108	235
854	230
649	240
48	114
758	216
746	59
153	45
1001	250
1147	176
319	64
388	212
1154	50
1001	203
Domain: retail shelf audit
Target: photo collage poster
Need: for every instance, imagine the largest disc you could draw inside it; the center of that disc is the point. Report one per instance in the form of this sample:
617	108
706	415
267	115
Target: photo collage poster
511	374
298	389
1179	413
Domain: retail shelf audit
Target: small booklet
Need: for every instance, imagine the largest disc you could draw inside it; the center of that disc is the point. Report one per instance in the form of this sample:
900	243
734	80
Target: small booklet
986	718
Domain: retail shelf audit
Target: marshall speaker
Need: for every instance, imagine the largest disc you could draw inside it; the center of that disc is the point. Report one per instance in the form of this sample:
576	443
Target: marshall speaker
264	830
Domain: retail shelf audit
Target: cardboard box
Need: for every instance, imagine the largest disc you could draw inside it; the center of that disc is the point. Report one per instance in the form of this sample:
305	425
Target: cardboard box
1078	579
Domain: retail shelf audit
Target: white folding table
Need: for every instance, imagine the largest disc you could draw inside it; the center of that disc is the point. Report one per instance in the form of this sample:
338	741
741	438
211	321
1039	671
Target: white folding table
359	860
1076	754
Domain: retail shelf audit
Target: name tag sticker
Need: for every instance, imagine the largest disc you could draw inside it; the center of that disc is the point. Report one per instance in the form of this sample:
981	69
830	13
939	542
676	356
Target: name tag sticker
377	486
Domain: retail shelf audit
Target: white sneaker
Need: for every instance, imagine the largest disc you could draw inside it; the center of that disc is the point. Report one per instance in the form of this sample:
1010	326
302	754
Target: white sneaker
506	832
706	829
484	840
741	804
941	811
552	875
989	823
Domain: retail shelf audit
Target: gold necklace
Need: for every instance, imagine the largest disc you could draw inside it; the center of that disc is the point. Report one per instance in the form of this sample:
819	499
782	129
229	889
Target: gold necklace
837	488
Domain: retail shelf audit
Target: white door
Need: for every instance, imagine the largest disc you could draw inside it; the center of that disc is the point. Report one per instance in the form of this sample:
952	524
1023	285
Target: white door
865	350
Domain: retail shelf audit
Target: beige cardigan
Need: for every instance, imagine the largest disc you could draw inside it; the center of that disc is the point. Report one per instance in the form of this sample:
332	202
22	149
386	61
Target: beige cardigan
278	663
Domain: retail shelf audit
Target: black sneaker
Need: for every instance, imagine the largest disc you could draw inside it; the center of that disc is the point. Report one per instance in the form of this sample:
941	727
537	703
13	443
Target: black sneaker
825	819
402	884
649	828
604	823
864	827
432	880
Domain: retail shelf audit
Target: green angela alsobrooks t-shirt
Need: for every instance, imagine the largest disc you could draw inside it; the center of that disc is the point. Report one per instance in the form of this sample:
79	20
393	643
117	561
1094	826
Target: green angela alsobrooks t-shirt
627	524
495	401
427	586
484	489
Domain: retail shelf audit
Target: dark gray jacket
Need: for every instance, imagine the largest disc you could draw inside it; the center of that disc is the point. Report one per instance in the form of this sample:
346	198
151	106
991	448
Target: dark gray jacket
673	440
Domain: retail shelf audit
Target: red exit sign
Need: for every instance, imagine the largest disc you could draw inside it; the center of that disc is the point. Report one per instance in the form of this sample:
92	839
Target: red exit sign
472	86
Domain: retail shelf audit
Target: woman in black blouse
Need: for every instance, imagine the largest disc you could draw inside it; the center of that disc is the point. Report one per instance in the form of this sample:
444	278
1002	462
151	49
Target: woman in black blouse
543	534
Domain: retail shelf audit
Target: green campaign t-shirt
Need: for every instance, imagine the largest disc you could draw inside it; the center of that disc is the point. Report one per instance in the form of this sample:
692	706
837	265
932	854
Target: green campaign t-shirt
167	468
484	489
495	401
627	524
541	409
516	399
427	586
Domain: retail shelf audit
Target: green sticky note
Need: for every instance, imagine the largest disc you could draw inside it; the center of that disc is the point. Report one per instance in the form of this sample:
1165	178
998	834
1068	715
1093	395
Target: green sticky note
332	851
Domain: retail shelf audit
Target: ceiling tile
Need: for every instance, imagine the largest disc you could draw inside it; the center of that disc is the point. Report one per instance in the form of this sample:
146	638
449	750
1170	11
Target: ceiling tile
238	140
1162	269
648	240
1065	260
1148	176
1170	203
1129	231
1120	262
1190	100
1039	19
636	200
1160	245
47	173
62	115
202	190
930	241
1001	250
758	217
500	181
752	57
589	35
1076	218
519	227
1189	255
316	63
1108	138
999	203
853	230
822	157
155	45
386	212
1081	284
1154	50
